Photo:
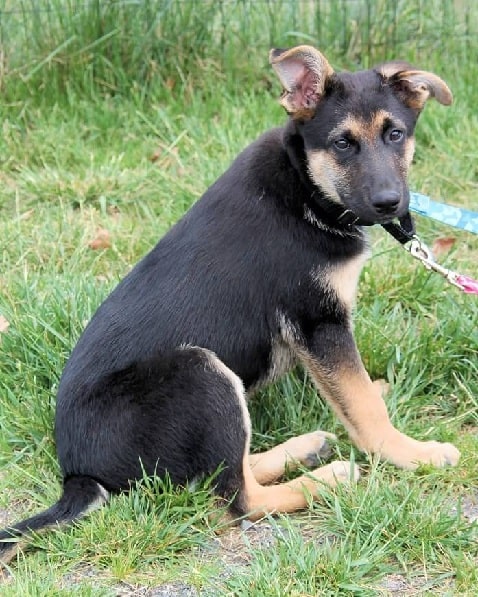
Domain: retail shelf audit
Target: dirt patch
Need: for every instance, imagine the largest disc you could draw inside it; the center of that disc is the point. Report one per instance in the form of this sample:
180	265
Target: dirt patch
5	517
468	507
174	589
234	547
395	585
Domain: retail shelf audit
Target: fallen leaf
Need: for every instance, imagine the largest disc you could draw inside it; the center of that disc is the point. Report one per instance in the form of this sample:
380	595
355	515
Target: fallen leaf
4	324
26	215
167	156
170	83
102	240
443	245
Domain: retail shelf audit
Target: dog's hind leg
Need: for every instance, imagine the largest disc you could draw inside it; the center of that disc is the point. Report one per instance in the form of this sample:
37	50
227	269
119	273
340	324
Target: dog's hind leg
255	499
261	500
251	497
308	449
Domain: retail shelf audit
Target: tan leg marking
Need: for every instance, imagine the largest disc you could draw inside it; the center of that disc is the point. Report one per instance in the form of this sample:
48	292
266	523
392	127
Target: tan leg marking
359	404
269	466
260	500
263	500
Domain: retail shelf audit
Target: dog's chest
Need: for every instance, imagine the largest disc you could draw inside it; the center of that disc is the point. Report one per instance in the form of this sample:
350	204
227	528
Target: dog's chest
330	288
341	279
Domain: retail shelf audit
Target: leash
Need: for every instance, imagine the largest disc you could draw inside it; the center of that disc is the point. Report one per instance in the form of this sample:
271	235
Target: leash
448	214
404	233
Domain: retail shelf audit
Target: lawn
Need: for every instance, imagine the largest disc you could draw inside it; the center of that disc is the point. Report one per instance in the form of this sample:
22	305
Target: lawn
113	124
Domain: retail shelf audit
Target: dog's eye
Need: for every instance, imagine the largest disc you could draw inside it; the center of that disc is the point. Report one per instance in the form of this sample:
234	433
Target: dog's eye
342	144
396	135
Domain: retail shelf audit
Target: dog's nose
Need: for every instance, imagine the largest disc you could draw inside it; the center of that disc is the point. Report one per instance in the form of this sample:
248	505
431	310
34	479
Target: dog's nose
386	201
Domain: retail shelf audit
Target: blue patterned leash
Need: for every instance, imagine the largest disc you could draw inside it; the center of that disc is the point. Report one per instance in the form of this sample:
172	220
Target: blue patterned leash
404	233
448	214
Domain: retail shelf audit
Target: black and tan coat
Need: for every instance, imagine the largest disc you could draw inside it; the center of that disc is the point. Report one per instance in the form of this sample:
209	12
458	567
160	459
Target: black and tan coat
259	275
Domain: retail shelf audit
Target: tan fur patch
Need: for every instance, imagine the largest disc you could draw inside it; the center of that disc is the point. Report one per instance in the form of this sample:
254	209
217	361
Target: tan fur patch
326	173
269	466
294	495
370	129
409	152
343	279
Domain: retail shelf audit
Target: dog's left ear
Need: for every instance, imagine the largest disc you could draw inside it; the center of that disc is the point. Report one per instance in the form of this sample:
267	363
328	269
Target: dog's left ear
303	72
415	87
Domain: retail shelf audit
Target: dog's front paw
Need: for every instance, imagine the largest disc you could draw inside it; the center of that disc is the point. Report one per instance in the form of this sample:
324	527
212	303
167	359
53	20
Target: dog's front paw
438	454
409	453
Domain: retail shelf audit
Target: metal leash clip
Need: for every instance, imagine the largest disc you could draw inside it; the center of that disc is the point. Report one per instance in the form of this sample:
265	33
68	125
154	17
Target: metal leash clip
420	251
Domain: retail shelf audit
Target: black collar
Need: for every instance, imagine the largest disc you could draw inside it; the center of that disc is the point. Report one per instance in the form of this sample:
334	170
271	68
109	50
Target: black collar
333	215
337	217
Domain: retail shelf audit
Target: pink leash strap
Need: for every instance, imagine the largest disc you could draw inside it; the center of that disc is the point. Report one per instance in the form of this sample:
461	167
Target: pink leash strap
467	284
420	251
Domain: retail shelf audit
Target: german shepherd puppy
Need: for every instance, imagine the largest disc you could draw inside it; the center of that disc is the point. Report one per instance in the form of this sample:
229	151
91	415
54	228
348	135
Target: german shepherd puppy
259	275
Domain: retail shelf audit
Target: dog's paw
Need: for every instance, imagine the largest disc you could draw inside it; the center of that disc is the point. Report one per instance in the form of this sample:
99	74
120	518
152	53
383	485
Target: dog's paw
410	454
339	471
345	472
314	459
310	449
438	454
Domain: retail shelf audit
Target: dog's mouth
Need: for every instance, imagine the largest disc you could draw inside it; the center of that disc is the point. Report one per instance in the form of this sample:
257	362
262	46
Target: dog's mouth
382	208
371	220
386	218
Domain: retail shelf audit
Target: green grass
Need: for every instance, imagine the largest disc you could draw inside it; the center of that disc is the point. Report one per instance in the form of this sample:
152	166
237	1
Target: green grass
80	123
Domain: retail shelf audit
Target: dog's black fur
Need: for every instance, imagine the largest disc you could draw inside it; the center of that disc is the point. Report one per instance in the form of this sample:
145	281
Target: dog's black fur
245	274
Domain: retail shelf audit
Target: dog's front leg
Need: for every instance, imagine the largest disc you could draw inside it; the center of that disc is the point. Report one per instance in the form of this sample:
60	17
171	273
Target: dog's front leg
335	365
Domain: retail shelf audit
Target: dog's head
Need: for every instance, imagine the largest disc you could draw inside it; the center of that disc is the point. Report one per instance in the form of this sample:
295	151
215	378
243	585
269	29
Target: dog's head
357	128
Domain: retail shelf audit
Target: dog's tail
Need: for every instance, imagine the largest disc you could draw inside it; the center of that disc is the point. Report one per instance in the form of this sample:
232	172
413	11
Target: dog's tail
80	496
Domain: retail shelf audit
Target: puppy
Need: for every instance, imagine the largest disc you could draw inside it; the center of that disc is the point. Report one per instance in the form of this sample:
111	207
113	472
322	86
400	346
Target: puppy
259	275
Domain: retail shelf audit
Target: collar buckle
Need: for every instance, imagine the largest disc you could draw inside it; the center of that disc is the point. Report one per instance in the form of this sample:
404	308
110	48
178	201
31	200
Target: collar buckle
348	218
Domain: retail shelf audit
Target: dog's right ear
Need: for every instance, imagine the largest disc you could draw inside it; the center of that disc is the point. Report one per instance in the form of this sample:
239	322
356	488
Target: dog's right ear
303	72
414	87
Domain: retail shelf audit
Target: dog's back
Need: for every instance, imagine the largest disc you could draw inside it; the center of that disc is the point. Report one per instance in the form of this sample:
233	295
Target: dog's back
217	278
